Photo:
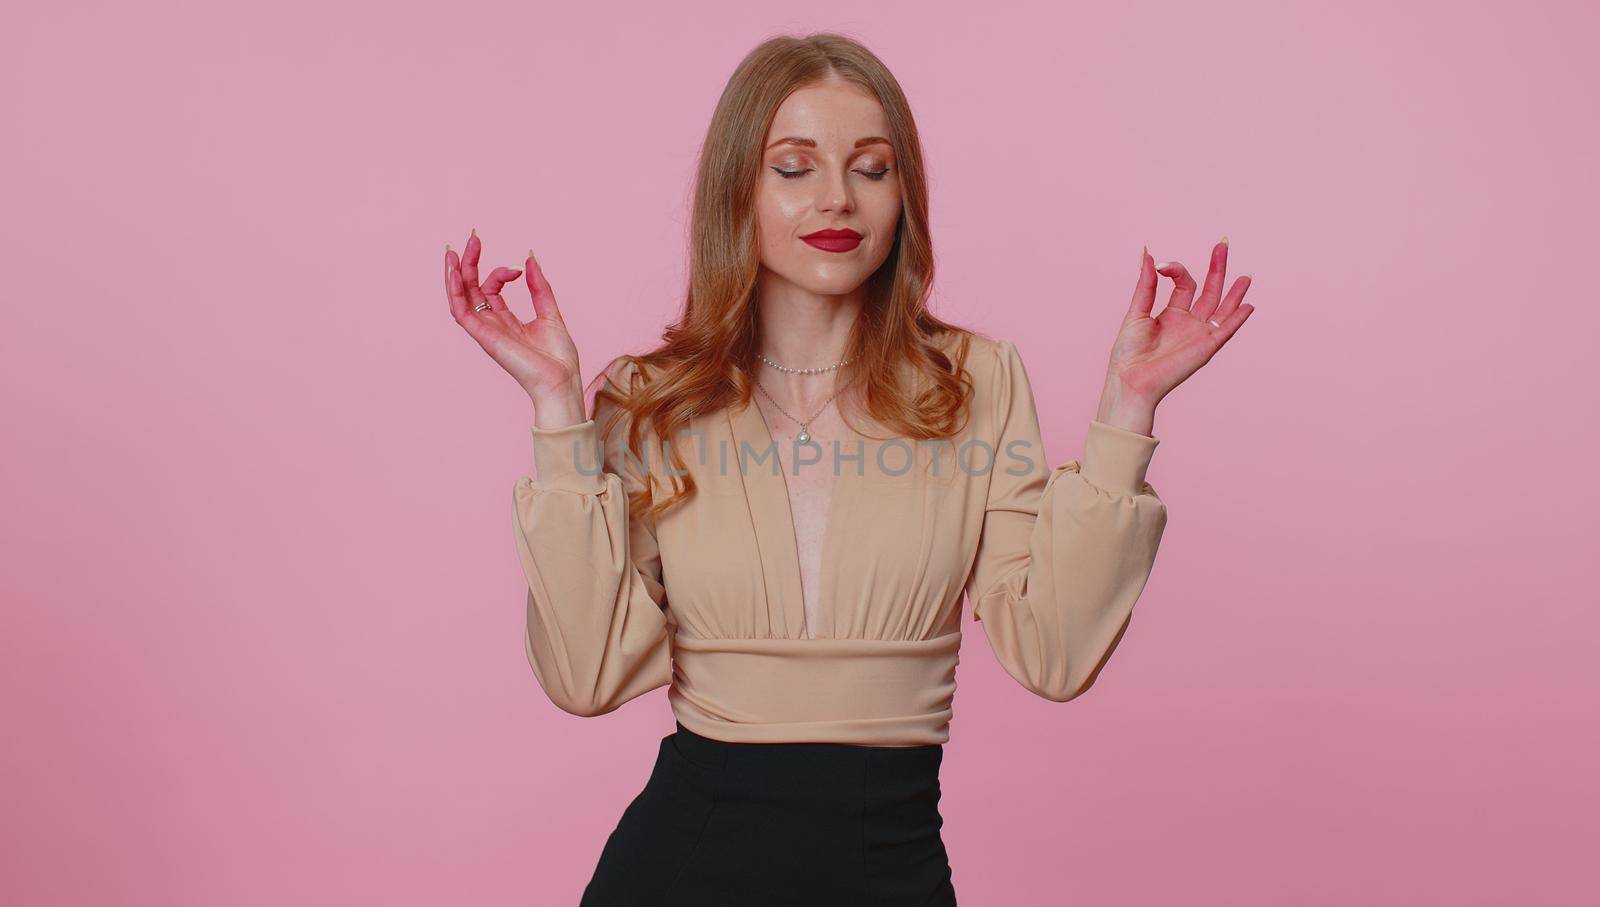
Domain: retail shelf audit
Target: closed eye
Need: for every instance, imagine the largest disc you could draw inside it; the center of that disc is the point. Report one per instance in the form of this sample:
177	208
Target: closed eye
794	174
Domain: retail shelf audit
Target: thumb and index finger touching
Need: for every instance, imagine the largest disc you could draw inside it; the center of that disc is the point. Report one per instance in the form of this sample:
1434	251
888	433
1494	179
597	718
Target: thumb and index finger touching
487	294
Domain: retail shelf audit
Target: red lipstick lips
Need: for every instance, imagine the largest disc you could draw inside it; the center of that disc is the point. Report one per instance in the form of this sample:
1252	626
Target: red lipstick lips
833	240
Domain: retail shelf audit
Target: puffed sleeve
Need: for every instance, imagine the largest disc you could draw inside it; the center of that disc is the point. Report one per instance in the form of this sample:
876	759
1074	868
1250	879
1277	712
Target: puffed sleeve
597	631
1064	552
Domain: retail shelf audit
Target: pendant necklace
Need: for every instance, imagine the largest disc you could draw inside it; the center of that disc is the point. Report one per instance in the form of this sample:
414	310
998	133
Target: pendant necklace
805	426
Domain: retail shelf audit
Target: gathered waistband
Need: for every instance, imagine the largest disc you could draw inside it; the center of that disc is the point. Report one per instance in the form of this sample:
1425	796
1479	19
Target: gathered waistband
864	692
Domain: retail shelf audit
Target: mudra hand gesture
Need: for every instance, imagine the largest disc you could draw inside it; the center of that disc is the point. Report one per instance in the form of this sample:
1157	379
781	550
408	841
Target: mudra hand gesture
539	354
1151	356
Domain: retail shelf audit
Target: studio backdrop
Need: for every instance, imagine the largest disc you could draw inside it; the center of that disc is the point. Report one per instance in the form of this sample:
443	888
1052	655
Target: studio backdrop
262	635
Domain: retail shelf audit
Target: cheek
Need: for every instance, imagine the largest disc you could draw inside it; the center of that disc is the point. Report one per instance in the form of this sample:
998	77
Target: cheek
885	217
778	218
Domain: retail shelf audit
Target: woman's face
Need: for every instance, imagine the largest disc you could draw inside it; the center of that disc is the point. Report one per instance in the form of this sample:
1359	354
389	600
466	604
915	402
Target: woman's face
827	164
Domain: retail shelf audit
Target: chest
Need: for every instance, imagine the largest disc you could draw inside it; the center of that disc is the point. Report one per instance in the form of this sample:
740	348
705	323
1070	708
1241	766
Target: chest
809	478
848	536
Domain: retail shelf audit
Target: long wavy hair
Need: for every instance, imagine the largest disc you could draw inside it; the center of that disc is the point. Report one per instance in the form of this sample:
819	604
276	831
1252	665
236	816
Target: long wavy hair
705	360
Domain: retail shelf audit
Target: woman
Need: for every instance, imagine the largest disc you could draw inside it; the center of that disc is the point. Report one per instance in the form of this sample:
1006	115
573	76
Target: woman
807	618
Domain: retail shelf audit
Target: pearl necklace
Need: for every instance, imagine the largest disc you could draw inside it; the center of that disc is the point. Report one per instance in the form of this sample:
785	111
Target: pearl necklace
805	426
802	371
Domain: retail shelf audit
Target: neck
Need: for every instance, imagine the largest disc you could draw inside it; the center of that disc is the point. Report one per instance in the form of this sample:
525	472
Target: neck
802	329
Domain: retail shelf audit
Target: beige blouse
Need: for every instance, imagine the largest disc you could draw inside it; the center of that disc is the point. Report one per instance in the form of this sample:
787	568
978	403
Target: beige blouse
709	598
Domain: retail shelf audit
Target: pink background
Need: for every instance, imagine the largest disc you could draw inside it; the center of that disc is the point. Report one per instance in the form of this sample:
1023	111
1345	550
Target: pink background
261	639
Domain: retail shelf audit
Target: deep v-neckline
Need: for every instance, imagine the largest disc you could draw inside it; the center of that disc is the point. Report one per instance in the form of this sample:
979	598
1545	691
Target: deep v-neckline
773	518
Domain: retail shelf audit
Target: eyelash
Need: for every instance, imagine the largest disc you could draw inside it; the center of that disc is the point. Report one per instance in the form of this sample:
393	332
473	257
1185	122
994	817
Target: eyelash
873	175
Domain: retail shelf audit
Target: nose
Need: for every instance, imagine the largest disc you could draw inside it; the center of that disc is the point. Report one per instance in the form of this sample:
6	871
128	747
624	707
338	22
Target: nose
833	193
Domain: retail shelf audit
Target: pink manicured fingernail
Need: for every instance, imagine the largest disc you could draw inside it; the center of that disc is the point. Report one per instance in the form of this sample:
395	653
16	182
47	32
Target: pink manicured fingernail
1164	264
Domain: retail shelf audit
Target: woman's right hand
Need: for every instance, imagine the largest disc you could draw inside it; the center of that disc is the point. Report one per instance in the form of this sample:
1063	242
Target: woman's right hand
539	354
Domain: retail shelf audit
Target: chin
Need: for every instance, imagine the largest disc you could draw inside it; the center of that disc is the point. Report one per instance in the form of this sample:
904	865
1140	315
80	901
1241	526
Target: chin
829	281
835	286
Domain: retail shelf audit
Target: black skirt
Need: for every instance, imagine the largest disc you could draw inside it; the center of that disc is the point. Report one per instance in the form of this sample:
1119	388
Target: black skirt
779	823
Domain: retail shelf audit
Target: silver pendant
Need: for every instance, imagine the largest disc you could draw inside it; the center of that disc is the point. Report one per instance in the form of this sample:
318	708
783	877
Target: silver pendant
804	436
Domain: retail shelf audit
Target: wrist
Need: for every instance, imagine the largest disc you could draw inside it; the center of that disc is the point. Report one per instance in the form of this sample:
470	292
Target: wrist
558	410
1126	411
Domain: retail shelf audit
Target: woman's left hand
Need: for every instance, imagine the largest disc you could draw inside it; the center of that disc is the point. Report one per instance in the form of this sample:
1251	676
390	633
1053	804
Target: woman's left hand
1152	356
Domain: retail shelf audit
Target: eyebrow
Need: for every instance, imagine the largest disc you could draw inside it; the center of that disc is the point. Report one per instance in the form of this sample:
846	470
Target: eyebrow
812	143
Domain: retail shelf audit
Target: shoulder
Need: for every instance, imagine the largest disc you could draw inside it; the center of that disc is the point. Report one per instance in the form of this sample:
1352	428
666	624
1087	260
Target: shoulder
976	352
610	394
621	378
623	374
992	362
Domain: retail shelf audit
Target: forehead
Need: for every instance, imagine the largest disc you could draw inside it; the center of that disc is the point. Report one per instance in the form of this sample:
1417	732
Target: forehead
832	113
